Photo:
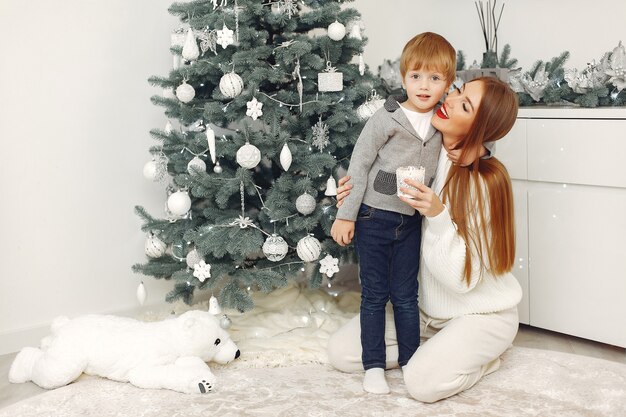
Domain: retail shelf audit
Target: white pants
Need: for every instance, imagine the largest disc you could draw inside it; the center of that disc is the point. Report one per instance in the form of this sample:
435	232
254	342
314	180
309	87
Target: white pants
454	353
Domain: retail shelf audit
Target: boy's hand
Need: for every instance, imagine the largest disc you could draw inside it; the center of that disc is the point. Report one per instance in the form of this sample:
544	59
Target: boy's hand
455	154
342	231
344	190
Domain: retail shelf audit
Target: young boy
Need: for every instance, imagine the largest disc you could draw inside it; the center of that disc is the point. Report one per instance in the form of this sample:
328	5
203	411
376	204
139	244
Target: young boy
388	231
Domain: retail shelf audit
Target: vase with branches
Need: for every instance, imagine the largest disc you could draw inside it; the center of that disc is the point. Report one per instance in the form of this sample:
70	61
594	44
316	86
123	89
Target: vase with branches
489	22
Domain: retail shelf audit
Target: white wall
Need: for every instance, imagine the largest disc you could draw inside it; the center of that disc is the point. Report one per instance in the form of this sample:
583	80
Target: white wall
75	115
535	29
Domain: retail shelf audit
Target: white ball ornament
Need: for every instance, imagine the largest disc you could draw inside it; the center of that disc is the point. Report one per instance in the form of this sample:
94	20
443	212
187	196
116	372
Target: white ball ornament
248	156
231	85
309	249
179	203
217	168
305	204
367	109
336	31
285	157
154	247
150	170
185	92
196	164
275	248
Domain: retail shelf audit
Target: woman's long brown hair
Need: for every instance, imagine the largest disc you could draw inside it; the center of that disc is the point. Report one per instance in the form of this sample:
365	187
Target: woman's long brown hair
467	198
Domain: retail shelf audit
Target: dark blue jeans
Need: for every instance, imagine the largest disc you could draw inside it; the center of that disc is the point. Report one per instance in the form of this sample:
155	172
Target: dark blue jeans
388	247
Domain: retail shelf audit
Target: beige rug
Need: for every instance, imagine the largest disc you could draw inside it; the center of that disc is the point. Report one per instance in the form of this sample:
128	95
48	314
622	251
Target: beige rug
283	371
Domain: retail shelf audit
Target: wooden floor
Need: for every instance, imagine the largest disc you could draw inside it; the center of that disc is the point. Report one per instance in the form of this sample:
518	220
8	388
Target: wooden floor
527	337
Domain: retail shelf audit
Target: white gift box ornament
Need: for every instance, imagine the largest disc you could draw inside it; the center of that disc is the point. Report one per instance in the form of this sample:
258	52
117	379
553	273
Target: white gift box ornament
336	31
330	79
309	248
331	187
191	52
177	37
210	137
285	157
185	92
179	203
231	85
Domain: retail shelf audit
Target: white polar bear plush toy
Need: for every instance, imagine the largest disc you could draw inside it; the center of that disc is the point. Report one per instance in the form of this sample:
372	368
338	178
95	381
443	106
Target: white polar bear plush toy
170	354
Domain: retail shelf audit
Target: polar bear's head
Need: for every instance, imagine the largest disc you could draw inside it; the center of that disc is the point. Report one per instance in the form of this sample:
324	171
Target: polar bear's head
203	337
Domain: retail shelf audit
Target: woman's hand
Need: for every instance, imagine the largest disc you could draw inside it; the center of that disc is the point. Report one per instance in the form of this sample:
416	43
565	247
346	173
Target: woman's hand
423	199
343	190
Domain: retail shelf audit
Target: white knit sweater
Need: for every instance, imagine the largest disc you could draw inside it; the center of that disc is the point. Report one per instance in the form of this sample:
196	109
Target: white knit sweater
443	291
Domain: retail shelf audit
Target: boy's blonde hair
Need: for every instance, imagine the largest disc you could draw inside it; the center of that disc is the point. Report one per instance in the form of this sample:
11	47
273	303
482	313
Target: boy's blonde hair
429	51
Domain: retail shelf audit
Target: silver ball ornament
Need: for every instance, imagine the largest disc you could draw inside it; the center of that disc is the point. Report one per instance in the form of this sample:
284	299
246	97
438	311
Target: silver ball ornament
231	85
225	322
196	164
154	247
193	258
217	168
275	248
305	204
309	249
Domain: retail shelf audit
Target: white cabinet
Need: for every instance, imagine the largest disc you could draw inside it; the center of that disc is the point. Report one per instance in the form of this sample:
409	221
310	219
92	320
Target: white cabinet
568	168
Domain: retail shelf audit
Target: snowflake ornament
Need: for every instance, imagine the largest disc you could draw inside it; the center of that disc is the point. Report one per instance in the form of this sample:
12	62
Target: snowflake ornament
254	108
225	37
290	7
202	271
222	3
329	266
320	135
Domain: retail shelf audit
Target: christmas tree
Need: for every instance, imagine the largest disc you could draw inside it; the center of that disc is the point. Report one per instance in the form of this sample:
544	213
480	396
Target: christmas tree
267	99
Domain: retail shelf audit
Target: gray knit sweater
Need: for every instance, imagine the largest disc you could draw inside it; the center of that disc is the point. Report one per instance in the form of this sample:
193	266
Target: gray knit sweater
388	141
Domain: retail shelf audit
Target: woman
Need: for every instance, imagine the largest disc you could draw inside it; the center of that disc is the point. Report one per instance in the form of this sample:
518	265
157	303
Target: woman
467	295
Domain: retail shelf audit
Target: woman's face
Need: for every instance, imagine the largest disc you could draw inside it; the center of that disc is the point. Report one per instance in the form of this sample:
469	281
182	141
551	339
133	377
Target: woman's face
455	117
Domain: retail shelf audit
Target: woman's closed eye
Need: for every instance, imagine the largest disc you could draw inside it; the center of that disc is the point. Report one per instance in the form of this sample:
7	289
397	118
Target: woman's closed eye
463	105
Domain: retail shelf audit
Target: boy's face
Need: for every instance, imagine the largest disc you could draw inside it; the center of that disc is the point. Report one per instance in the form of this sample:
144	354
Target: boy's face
424	88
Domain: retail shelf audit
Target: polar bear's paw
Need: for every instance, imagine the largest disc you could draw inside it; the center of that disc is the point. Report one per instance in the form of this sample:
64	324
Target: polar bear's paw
22	366
205	386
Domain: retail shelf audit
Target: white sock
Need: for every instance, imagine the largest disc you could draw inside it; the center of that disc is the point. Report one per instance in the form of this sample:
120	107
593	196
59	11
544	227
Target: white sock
375	381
